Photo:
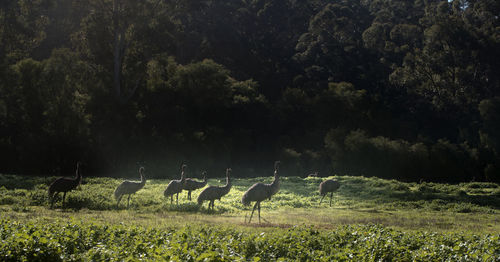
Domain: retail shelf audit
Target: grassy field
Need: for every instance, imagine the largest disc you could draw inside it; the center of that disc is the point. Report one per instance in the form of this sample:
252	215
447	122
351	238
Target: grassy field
370	218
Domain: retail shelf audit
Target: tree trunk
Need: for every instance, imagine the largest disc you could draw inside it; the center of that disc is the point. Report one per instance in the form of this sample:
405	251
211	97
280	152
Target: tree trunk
118	47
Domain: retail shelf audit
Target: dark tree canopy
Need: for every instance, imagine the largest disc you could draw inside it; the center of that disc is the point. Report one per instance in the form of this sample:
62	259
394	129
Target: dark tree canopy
390	88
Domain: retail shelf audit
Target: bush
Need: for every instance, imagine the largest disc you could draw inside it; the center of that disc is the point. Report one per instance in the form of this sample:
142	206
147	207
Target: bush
87	241
358	154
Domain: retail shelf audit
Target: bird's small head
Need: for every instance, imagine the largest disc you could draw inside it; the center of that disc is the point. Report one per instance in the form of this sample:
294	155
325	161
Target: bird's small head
277	165
141	170
204	174
183	167
228	171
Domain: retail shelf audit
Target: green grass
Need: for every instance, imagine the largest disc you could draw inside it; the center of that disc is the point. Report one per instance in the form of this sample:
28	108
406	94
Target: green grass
442	214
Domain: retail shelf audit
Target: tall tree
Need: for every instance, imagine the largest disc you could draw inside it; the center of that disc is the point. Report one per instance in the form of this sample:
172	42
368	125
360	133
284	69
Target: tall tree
119	36
332	49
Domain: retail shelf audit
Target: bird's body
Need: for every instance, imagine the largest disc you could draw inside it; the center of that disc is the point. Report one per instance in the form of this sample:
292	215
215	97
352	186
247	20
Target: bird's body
328	186
212	193
192	184
175	186
129	188
64	185
259	192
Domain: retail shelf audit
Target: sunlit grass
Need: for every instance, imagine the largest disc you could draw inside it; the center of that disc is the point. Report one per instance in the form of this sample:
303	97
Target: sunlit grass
410	206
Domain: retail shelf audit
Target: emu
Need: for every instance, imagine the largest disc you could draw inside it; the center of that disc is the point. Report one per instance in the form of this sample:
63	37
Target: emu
212	193
64	184
326	186
129	188
175	186
260	191
192	184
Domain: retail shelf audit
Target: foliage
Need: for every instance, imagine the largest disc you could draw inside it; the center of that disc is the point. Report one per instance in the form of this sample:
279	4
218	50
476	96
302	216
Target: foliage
384	157
366	87
88	241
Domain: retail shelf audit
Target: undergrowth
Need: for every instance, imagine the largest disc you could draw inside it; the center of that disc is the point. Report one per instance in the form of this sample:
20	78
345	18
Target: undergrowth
78	241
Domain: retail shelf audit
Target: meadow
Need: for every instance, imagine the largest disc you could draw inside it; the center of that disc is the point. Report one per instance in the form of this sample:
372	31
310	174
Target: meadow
370	219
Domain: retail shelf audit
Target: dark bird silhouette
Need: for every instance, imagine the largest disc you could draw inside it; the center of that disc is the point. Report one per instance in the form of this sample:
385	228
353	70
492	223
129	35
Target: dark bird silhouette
64	184
326	186
260	191
175	186
129	188
212	193
191	184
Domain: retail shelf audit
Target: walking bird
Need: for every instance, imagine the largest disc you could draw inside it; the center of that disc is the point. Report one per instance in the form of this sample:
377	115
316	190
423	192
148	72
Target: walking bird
326	186
129	188
260	191
175	186
192	184
212	193
64	184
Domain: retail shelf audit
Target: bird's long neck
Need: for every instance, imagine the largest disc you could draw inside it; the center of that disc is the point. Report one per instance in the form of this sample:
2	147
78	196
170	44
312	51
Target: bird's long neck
183	176
227	187
228	179
276	179
143	178
78	177
275	185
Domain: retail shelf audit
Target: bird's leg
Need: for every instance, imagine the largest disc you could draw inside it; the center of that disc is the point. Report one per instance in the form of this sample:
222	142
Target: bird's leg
171	199
64	197
259	212
322	199
118	201
189	195
177	199
128	200
254	206
331	195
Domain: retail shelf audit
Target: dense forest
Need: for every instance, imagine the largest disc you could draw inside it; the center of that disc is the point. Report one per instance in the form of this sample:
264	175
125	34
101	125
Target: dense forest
389	88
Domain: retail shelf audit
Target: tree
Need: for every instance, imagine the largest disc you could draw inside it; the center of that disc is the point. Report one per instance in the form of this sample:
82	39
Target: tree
44	120
120	36
22	28
332	49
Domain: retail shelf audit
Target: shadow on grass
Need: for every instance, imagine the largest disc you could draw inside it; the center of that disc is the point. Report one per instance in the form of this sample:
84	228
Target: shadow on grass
215	211
182	207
